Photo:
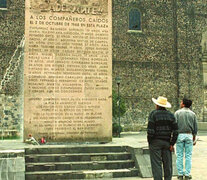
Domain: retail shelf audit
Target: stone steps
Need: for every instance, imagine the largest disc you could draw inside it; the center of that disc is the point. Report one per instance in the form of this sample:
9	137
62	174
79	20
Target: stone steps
86	165
78	162
145	150
77	157
74	149
85	174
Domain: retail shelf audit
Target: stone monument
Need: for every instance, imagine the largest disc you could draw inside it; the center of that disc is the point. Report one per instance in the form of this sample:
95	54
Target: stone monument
68	70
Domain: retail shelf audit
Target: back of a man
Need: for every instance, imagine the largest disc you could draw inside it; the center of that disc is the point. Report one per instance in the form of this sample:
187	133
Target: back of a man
187	131
161	136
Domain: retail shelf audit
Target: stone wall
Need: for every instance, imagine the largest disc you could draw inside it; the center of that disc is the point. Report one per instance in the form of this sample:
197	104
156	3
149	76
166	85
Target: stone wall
11	115
12	165
12	31
189	28
163	59
11	70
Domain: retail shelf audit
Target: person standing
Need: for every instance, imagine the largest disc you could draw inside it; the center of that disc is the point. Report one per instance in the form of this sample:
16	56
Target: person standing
161	135
187	131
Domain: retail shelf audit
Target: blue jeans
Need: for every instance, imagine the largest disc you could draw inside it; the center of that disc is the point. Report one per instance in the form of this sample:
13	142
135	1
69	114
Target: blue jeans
184	145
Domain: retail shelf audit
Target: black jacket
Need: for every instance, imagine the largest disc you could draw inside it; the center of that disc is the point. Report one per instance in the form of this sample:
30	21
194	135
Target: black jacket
162	125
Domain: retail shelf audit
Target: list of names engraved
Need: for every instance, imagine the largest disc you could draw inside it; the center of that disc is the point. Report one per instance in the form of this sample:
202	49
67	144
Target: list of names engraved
67	70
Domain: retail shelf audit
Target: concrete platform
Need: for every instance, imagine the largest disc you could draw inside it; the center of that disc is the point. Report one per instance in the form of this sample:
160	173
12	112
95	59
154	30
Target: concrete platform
202	126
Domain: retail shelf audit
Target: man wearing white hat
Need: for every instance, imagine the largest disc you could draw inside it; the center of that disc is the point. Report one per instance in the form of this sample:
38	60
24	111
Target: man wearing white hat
161	135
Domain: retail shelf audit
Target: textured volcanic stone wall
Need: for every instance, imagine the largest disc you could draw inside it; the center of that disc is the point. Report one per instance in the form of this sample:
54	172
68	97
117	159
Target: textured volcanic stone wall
163	59
145	60
12	31
192	20
11	115
201	30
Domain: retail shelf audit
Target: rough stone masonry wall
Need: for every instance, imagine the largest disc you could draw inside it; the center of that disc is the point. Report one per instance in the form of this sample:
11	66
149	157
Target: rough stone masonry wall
12	31
163	59
11	115
11	97
192	20
200	18
145	60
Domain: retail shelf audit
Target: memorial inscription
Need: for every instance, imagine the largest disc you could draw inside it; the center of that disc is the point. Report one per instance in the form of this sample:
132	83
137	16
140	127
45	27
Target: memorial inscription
68	68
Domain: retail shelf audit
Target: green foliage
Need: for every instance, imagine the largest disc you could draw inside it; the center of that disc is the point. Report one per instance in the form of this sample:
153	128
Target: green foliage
116	105
116	129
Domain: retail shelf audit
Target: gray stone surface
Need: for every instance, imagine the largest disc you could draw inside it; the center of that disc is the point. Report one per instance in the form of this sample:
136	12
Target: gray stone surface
202	126
89	161
142	161
12	176
12	164
11	115
12	167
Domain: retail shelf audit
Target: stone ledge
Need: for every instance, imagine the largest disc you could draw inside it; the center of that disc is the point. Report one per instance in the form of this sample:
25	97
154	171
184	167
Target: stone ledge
135	31
11	153
3	9
202	126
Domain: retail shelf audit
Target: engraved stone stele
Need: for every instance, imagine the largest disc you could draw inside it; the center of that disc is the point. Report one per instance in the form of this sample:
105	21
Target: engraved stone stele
68	70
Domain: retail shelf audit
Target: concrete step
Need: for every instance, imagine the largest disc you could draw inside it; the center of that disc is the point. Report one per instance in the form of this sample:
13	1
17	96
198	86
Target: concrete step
85	165
74	149
85	174
146	150
77	157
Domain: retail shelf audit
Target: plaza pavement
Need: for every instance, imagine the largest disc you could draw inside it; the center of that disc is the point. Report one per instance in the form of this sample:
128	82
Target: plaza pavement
199	160
138	139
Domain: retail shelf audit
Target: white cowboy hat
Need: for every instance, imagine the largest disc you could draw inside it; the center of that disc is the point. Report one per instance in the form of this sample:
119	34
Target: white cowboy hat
162	101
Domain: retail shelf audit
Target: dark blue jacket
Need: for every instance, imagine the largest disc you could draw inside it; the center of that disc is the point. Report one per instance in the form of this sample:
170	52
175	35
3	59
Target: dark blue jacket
162	125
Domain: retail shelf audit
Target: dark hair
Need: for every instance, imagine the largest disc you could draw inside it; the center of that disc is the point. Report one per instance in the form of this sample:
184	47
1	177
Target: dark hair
160	108
187	102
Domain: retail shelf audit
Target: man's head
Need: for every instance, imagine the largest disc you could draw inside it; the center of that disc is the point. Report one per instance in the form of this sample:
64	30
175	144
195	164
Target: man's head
186	103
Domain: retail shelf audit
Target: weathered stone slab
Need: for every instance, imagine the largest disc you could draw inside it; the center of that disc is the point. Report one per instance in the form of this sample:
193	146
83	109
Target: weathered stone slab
68	70
142	161
202	126
12	165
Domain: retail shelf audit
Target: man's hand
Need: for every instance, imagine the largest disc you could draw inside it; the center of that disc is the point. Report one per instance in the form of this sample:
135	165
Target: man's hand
194	140
194	143
172	148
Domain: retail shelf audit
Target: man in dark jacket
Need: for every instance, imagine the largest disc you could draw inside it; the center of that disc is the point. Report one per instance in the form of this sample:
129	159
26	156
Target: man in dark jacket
161	135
